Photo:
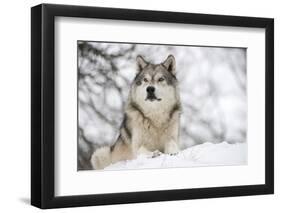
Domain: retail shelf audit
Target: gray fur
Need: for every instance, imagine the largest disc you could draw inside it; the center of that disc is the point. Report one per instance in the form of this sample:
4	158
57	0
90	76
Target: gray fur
151	121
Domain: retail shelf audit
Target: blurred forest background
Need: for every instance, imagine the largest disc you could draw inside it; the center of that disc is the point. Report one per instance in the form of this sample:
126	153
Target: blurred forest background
212	82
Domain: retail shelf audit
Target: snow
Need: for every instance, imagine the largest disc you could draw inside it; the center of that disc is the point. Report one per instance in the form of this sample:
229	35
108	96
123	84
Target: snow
206	154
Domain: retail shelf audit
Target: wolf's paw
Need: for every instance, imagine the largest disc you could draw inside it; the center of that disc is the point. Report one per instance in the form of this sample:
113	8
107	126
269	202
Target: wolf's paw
156	153
173	154
171	148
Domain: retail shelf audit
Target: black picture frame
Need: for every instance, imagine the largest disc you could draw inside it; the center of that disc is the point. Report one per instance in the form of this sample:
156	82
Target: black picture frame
43	105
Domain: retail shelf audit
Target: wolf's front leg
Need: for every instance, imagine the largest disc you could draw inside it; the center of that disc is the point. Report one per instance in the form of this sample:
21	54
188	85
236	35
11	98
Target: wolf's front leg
143	151
171	148
172	141
138	147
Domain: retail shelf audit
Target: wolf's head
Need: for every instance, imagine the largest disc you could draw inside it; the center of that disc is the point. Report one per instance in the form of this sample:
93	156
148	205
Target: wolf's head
155	85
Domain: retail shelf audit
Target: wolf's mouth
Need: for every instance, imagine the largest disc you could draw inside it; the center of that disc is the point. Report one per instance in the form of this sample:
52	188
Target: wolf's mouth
152	97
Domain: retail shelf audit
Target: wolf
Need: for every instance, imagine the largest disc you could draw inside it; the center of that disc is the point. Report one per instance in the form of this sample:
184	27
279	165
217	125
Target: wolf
151	118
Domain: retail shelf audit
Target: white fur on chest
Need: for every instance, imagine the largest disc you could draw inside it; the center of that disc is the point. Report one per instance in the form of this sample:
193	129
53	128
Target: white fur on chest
155	131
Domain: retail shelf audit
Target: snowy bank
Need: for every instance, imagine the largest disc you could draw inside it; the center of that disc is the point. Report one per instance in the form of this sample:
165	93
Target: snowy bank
207	154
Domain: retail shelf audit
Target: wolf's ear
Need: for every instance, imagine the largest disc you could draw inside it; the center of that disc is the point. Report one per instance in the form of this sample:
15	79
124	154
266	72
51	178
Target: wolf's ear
170	64
141	63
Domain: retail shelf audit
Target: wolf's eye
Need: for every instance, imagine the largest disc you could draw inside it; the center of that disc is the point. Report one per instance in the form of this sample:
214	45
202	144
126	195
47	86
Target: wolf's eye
145	80
161	79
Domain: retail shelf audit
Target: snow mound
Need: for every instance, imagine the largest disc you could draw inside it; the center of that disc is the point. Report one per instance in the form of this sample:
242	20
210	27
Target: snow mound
206	154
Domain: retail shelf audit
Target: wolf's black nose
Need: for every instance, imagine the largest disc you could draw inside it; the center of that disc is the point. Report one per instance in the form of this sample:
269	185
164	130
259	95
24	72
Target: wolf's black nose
150	89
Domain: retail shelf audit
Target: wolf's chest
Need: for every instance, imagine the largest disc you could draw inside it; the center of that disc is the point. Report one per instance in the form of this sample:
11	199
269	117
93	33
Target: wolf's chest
153	137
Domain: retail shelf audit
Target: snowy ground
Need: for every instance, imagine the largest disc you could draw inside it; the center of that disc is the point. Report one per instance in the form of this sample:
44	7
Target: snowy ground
207	154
